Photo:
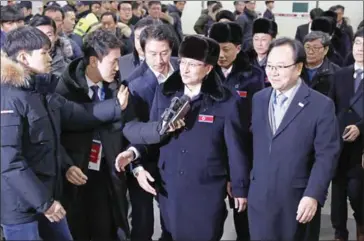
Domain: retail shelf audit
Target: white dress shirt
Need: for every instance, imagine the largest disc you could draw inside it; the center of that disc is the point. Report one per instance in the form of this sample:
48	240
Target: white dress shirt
226	72
356	67
90	84
280	111
160	77
192	93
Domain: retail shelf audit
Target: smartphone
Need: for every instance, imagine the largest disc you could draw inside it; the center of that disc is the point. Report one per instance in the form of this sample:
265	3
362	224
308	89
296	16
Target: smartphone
231	203
346	131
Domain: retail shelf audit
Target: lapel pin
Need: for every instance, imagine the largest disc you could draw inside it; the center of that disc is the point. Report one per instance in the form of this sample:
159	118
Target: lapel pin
301	105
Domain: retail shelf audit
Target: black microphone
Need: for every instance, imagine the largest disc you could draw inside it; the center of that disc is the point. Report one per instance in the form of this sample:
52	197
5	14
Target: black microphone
176	111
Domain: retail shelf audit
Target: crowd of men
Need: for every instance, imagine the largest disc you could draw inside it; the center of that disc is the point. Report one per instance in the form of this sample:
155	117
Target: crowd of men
271	122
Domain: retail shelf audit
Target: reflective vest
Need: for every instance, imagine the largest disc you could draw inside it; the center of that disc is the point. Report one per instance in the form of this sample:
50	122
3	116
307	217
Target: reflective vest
84	24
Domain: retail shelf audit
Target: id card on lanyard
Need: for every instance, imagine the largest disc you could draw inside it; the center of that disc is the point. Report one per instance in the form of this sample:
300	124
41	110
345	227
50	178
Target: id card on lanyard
96	147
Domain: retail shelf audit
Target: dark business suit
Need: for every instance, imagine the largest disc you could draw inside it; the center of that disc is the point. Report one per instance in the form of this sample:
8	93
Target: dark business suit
142	90
347	182
269	15
298	160
128	64
301	32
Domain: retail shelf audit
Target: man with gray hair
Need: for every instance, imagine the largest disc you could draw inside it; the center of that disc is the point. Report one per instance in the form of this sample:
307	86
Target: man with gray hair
318	69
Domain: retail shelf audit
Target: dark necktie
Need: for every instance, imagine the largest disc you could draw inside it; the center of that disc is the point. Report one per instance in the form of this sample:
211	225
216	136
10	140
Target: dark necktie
358	79
95	95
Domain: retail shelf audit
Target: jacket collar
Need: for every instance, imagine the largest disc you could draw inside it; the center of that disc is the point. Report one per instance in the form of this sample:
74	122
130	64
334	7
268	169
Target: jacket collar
12	73
211	86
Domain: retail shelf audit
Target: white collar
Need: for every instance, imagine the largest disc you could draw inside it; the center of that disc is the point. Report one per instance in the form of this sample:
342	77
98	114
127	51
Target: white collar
160	77
309	27
193	93
226	72
90	83
356	67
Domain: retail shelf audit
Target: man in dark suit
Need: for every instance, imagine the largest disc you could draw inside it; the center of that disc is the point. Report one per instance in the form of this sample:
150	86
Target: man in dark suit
95	196
268	14
294	156
156	42
304	29
128	63
347	93
318	70
245	80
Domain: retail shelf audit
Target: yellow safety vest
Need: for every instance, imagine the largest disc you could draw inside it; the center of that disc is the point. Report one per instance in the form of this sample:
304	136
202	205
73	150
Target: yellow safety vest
84	24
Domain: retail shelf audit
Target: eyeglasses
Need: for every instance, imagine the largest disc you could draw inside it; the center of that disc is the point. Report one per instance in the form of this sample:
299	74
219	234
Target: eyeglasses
278	67
314	49
189	64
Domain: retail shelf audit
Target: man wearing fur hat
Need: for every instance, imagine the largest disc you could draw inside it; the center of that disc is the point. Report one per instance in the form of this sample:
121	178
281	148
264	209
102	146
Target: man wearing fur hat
326	25
193	186
242	78
264	32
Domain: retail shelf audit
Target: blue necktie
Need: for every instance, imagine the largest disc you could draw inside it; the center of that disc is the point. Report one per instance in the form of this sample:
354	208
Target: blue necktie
95	95
358	79
279	110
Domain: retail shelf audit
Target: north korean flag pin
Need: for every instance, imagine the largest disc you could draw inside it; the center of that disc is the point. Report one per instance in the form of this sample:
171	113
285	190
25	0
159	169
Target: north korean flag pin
206	118
242	94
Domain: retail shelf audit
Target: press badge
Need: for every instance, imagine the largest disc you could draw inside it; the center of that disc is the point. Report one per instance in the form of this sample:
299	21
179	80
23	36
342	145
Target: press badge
95	156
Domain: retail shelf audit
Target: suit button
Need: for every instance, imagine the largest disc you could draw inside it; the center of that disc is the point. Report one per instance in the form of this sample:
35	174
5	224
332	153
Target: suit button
181	173
183	151
350	111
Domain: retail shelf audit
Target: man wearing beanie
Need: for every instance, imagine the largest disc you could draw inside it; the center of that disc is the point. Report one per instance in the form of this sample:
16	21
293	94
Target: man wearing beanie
193	186
264	32
243	79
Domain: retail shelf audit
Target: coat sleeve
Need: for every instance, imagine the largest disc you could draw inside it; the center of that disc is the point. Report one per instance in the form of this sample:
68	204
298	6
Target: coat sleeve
67	161
142	133
199	26
15	170
154	140
327	151
298	35
77	117
235	134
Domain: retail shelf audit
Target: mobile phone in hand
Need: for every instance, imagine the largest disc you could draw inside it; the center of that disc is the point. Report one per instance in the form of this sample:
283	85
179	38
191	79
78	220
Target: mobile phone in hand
346	131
